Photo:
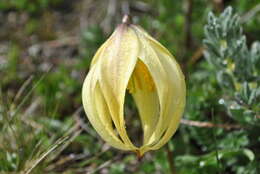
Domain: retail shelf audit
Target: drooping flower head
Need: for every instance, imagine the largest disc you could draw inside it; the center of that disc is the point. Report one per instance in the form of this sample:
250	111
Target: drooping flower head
132	60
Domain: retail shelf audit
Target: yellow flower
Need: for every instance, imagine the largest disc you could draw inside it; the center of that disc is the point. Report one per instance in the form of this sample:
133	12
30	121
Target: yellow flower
132	60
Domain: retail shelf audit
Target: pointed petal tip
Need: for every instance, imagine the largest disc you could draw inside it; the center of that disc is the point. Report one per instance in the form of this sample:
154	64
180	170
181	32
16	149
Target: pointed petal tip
139	154
127	19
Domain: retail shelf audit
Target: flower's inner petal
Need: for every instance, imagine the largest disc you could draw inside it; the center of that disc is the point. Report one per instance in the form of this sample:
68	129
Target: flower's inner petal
141	79
142	88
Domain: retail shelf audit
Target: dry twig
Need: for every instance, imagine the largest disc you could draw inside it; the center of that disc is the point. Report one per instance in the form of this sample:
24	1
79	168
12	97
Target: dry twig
196	56
170	160
188	24
210	125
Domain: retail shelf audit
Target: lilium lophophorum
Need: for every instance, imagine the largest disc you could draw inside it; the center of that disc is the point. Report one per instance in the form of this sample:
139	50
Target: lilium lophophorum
132	60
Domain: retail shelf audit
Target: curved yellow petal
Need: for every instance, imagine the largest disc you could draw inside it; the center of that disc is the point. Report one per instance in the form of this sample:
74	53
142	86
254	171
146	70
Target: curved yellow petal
159	74
177	93
132	59
142	88
171	94
91	99
117	65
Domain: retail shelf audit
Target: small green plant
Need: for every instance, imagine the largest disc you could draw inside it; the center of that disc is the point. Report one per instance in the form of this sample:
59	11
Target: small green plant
236	67
229	84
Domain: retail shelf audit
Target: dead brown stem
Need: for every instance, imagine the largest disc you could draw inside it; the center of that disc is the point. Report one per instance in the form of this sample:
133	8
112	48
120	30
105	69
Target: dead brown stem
170	160
210	125
188	24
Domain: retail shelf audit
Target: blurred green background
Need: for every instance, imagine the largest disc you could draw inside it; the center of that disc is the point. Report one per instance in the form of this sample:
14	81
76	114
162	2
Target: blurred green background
45	51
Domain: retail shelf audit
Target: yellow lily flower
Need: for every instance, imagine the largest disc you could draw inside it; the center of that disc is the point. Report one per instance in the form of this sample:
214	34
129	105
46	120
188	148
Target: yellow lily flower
132	60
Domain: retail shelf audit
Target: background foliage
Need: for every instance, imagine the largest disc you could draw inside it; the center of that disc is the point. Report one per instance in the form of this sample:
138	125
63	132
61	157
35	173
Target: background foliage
45	50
